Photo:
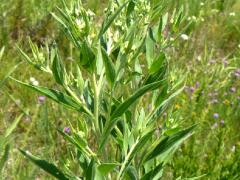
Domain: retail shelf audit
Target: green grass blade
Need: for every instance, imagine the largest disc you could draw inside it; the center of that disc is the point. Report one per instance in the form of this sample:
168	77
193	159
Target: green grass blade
13	126
4	158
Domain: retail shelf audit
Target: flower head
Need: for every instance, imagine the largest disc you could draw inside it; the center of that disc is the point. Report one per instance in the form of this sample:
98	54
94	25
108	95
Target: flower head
41	99
67	130
216	115
184	37
233	89
222	122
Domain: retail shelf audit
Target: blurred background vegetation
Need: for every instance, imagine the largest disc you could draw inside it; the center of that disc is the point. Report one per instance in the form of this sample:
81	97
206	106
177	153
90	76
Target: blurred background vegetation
209	57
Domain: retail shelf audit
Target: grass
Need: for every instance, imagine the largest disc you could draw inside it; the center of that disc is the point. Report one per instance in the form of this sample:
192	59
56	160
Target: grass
209	60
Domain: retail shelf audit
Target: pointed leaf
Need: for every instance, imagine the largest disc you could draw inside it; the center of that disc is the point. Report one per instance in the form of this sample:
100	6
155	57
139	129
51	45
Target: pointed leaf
58	69
169	143
55	95
46	166
109	67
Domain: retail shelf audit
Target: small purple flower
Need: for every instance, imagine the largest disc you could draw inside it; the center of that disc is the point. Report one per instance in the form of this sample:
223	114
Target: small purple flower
216	115
41	99
233	89
215	125
237	72
67	130
197	84
222	122
192	89
225	62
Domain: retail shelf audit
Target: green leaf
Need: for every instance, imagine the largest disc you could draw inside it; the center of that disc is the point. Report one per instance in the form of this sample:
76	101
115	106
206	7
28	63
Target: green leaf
154	174
168	143
46	166
131	173
149	49
91	170
157	63
106	168
107	23
55	95
159	109
130	9
122	108
58	69
87	57
109	67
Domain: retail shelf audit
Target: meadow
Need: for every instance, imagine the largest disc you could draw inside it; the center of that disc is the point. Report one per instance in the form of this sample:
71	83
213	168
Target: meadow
117	89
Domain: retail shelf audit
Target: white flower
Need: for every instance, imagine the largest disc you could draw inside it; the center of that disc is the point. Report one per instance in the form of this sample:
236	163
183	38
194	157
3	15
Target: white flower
32	79
232	14
194	18
35	83
184	37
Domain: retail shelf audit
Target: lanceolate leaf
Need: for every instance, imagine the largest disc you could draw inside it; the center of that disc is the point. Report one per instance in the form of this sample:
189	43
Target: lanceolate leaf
109	67
154	174
55	95
126	104
58	69
168	143
46	166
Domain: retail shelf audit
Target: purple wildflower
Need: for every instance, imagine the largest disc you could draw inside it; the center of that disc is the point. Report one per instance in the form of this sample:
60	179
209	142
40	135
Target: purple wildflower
216	115
41	99
192	89
197	84
237	72
67	130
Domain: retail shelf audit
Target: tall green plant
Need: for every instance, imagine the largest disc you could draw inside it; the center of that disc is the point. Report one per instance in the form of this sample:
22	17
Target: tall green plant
119	84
